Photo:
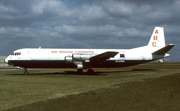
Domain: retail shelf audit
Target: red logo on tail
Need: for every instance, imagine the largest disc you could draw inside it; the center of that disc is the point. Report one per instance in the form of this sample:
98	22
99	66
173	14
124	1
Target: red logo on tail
155	37
156	32
154	44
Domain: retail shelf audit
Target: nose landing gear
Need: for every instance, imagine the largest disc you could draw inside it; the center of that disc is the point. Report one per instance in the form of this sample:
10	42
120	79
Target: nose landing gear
26	71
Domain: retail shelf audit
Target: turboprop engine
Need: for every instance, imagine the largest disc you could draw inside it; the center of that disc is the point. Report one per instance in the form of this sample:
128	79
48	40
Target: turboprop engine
68	59
81	57
77	58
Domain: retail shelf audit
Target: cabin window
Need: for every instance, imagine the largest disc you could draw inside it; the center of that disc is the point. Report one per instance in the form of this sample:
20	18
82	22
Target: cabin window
122	55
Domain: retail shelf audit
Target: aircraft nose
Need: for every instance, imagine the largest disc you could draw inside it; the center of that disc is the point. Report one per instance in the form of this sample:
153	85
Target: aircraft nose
6	60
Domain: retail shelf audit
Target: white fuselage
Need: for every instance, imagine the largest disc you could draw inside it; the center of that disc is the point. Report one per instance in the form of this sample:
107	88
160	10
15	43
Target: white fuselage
58	58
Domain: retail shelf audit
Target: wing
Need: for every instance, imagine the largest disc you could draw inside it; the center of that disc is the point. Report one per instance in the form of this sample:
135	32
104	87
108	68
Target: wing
103	56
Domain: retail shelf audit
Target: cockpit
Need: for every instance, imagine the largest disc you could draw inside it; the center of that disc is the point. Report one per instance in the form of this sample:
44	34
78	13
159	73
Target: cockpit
16	53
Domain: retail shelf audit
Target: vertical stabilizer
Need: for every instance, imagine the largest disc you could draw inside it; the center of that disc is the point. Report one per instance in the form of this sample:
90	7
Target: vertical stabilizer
157	39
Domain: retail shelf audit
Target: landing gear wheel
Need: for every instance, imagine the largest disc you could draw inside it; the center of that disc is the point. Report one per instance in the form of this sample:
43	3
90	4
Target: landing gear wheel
90	71
26	71
80	71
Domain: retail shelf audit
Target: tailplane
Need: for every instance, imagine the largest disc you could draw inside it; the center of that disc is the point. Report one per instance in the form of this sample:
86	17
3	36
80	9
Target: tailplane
163	50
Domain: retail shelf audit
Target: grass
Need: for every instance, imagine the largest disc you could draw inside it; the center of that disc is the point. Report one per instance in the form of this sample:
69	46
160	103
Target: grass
110	89
2	59
154	94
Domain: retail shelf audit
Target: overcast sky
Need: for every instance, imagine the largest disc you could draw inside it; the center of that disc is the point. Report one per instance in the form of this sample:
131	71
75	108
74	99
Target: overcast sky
87	24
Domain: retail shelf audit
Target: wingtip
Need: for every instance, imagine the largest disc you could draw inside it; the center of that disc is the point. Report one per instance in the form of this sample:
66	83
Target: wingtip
172	44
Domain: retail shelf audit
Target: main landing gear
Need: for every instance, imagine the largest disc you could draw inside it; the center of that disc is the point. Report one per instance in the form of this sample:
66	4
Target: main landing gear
80	71
89	71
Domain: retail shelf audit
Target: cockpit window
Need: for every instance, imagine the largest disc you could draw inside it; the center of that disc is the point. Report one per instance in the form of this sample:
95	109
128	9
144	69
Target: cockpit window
16	53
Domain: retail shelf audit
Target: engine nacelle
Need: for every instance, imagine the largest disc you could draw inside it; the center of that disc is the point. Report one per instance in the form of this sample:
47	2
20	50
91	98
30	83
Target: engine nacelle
81	57
68	59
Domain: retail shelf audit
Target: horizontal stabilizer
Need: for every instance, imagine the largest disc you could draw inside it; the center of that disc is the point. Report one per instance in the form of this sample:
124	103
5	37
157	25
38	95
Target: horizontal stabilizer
103	56
163	50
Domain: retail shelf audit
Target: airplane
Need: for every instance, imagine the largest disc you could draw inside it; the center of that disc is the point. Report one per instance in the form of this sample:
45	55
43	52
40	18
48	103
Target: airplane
91	58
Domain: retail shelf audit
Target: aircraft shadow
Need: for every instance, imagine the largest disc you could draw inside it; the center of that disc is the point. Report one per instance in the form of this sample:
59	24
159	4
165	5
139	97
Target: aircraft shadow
144	69
96	73
59	73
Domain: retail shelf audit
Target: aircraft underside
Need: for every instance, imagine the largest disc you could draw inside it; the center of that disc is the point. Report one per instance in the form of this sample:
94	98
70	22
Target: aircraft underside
64	64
